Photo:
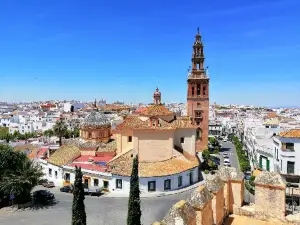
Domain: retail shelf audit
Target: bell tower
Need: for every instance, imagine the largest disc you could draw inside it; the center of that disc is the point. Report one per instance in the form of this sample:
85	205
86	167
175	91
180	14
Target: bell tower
157	97
198	94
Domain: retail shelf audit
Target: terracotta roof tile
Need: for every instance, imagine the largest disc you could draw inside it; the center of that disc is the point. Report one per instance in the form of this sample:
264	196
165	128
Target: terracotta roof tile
294	133
134	122
156	110
64	154
122	165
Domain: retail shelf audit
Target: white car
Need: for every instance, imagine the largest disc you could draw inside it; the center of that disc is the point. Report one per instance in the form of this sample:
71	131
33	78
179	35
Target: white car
226	157
226	161
226	164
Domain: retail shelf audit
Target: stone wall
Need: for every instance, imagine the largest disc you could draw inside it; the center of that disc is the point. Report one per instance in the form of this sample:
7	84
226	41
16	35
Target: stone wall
208	201
270	194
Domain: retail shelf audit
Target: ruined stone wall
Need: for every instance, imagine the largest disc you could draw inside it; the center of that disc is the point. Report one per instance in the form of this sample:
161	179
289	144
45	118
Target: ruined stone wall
205	216
270	200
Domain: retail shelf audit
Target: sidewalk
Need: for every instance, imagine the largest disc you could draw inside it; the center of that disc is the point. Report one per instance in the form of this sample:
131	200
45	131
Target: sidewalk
154	194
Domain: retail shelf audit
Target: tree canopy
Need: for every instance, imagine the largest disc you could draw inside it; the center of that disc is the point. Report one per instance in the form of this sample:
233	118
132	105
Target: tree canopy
18	174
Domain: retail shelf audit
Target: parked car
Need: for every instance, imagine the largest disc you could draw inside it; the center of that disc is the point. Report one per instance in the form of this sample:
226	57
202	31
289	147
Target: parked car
68	189
225	154
247	175
49	184
42	181
226	157
227	164
226	161
42	196
93	190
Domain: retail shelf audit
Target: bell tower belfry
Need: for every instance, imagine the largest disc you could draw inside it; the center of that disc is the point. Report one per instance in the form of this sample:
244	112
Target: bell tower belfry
198	94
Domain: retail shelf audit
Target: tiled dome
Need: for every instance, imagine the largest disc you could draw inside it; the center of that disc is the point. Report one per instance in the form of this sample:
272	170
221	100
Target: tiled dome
96	119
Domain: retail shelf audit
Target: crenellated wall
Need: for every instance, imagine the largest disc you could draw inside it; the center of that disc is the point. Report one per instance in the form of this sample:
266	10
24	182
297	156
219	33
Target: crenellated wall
222	194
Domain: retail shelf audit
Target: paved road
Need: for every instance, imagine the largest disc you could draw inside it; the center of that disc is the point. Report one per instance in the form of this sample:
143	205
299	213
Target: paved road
100	211
229	148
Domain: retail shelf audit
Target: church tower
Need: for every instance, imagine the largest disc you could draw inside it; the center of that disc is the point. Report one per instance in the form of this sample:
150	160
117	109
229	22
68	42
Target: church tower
157	97
198	94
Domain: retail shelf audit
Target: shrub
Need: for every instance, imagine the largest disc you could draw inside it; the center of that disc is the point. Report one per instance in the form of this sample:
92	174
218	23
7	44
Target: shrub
206	171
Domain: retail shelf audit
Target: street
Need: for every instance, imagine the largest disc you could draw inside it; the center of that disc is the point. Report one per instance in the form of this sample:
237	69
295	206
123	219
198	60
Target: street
99	210
229	148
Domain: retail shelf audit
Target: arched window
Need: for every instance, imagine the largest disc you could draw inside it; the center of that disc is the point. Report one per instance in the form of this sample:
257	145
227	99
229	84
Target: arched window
198	134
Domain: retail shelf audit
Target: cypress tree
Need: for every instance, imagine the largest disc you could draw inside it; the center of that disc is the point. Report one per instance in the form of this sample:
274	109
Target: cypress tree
134	202
78	208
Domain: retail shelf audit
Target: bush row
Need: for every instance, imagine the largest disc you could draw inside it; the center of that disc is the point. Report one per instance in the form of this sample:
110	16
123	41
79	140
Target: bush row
243	159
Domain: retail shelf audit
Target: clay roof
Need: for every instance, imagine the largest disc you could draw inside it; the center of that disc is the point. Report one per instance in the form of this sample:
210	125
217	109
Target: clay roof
64	154
111	146
230	173
122	165
181	209
271	115
213	183
89	166
156	110
294	133
135	122
200	197
274	121
270	178
25	147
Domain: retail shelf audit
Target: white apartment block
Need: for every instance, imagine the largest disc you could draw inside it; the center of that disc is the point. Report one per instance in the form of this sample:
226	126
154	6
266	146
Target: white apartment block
286	150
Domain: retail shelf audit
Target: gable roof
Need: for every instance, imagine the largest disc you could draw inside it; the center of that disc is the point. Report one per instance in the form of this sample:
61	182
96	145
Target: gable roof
293	133
64	154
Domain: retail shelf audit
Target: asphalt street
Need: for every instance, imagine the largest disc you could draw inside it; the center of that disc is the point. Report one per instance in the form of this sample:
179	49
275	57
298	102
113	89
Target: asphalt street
229	148
99	210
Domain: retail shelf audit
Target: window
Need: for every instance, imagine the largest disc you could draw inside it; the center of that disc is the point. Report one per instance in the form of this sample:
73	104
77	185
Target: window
50	172
198	104
96	182
105	184
290	167
290	146
193	91
167	184
198	134
179	181
198	89
153	123
182	140
204	90
151	185
119	183
67	176
191	177
55	174
129	138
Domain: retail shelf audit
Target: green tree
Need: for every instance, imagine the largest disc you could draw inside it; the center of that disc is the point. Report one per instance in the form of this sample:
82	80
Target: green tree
134	202
60	130
206	155
78	208
18	175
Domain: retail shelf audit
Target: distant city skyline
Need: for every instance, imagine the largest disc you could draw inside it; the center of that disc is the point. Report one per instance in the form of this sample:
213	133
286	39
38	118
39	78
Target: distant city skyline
122	51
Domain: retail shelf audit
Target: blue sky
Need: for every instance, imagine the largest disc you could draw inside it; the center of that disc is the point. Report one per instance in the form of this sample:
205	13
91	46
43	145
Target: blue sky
121	50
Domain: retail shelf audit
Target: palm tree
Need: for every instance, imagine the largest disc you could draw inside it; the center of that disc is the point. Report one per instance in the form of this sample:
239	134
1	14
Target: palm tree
60	130
18	175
